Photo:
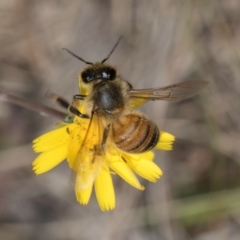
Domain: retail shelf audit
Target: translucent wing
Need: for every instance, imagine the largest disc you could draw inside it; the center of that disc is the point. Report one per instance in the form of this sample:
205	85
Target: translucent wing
173	93
37	107
87	163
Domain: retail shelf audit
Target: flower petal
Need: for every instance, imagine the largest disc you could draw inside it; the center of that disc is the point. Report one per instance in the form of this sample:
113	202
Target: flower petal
146	169
164	146
73	149
166	137
50	159
75	144
122	169
84	195
105	191
165	141
137	102
137	157
53	138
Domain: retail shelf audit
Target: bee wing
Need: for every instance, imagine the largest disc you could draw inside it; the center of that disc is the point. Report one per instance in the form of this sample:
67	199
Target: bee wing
87	163
173	93
37	107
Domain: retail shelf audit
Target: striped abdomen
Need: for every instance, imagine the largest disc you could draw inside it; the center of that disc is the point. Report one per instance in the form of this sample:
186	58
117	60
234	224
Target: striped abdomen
134	133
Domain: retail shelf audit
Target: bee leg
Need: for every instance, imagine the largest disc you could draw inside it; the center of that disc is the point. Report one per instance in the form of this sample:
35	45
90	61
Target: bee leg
79	97
104	139
77	112
64	103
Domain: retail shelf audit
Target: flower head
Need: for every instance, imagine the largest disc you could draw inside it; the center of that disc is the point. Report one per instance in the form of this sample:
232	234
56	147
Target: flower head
66	141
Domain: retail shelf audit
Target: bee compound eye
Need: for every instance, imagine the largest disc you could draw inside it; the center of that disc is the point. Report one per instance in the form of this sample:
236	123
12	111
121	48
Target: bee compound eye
111	73
105	75
87	76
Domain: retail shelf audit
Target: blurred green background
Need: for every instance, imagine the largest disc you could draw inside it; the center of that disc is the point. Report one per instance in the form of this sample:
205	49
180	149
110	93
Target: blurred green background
165	42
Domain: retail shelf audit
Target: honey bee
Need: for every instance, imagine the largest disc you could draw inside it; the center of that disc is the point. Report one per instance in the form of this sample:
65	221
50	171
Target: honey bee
111	101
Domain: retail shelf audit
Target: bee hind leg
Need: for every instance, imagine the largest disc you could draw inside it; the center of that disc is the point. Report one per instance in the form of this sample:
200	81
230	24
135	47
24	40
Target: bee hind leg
104	139
60	100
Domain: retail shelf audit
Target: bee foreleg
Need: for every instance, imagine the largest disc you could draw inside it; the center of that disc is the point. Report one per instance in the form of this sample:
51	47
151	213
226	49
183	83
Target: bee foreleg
64	103
77	112
79	97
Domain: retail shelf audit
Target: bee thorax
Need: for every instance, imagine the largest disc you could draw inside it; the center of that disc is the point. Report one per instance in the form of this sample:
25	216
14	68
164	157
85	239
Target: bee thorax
108	98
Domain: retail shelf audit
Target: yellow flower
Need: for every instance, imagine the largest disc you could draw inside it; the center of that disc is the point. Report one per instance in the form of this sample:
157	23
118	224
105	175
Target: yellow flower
91	169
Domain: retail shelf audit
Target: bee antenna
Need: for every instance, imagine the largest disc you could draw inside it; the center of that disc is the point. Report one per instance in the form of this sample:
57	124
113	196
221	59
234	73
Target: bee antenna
76	56
116	44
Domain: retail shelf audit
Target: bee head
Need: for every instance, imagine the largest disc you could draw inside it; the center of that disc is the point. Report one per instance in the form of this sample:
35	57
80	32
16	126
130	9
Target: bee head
98	71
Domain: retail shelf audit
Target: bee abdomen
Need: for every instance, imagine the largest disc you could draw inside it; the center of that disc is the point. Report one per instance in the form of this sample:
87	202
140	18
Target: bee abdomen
134	133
